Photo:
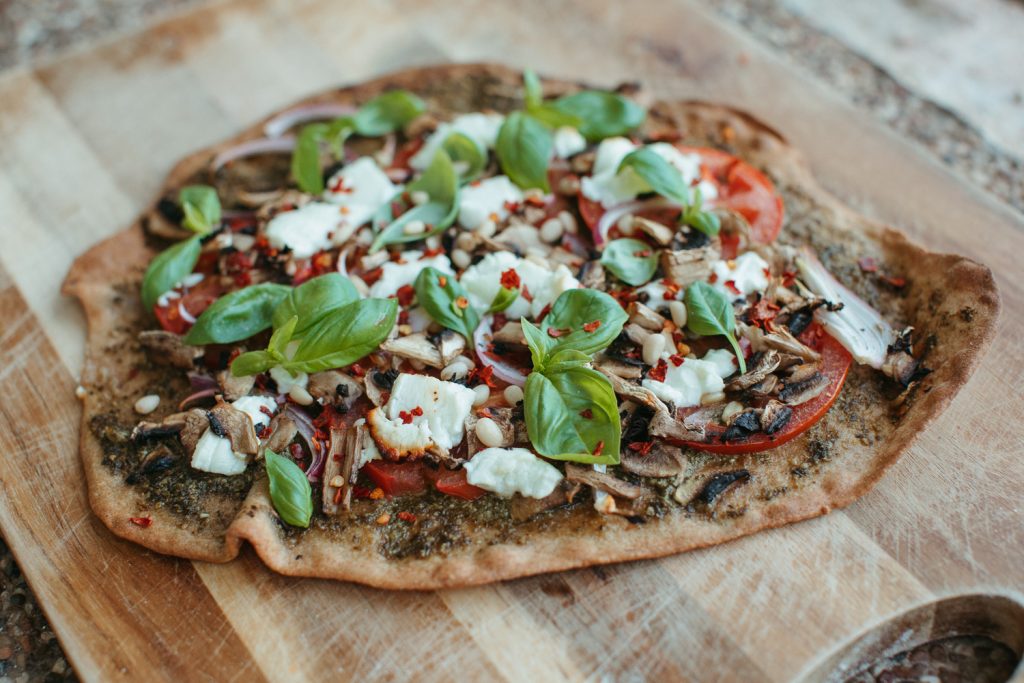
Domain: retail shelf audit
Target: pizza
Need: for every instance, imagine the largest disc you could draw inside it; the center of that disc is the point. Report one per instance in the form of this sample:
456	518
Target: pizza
461	324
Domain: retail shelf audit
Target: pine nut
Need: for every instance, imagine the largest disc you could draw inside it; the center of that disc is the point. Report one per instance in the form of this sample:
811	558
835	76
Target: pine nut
147	404
489	433
487	228
482	393
461	259
569	221
513	394
551	230
678	311
300	396
454	370
414	228
654	346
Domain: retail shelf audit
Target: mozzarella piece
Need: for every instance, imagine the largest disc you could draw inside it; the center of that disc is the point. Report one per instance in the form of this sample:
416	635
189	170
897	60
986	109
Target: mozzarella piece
305	230
748	273
214	454
397	274
506	471
686	384
607	186
485	199
442	406
480	128
286	381
483	280
656	292
360	189
568	141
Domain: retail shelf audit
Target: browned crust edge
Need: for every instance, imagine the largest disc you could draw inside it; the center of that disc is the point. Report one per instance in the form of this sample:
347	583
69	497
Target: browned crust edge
90	280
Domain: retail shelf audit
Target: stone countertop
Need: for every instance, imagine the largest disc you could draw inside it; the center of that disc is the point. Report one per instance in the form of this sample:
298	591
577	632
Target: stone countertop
33	30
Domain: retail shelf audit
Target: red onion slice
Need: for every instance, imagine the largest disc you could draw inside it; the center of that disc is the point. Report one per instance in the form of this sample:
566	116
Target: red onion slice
251	148
197	396
285	121
612	215
503	371
304	423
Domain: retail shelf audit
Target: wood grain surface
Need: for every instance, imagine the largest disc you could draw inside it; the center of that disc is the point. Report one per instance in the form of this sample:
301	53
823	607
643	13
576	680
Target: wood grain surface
84	143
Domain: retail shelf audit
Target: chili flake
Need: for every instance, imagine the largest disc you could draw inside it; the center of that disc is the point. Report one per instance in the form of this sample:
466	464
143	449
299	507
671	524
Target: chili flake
657	373
442	280
510	279
731	286
377	493
483	374
555	333
526	294
896	282
405	416
384	519
406	516
417	411
598	448
642	253
641	447
143	522
713	278
405	295
676	359
591	326
462	302
587	414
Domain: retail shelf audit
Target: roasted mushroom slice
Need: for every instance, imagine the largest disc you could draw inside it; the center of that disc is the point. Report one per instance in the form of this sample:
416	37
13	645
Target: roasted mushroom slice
167	348
619	369
662	234
660	461
415	347
782	340
195	424
713	489
510	333
646	317
282	430
764	365
334	387
522	508
774	416
228	421
688	265
233	387
449	344
592	276
378	385
338	469
796	392
159	459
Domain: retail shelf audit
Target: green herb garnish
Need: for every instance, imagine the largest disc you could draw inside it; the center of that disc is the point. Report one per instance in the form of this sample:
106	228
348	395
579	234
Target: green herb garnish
632	261
441	184
445	300
290	492
709	313
238	315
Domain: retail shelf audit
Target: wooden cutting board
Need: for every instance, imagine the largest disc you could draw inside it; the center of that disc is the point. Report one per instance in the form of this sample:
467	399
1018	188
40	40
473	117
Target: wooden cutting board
85	143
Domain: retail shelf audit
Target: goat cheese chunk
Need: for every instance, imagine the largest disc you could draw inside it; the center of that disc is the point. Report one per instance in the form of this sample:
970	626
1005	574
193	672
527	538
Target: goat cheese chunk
609	187
538	286
305	230
422	413
396	274
488	198
568	142
693	379
736	278
359	189
506	471
658	297
214	454
480	128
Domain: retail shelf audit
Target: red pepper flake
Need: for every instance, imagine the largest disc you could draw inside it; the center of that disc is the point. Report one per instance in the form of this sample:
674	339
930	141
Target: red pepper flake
483	374
896	282
657	373
371	276
405	417
510	279
405	295
266	411
462	302
143	522
403	317
417	411
591	326
339	186
788	278
543	313
555	333
641	447
442	280
676	359
431	253
763	314
337	495
867	264
598	448
642	253
731	286
713	278
263	432
484	412
407	516
357	370
534	201
768	273
526	293
587	414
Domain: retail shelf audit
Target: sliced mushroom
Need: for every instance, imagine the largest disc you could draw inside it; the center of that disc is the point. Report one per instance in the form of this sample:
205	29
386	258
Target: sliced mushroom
338	469
592	276
662	234
196	423
765	365
334	387
619	369
795	393
636	334
449	344
172	424
282	430
688	265
743	425
167	348
646	317
782	340
661	461
378	385
159	459
415	347
522	508
602	481
228	421
233	387
775	416
510	333
713	489
765	387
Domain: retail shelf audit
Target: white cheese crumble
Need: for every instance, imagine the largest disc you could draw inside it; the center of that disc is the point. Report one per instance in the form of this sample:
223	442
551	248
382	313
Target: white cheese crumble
480	128
656	292
686	384
359	189
506	471
485	199
747	273
607	186
422	412
306	230
568	141
213	453
483	280
397	274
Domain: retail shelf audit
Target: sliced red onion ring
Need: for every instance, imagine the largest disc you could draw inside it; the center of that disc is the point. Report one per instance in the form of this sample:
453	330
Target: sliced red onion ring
185	315
201	382
612	215
304	423
285	121
251	148
503	371
197	396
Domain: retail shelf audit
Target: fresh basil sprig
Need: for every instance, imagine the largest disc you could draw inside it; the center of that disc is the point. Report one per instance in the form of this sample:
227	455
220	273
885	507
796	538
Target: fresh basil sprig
696	217
441	184
524	148
201	207
445	300
238	315
663	177
585	320
465	150
632	261
168	268
290	492
314	299
383	114
709	312
255	362
601	114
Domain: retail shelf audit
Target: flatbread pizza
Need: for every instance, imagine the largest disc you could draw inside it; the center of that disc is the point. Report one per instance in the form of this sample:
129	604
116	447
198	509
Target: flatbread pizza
460	324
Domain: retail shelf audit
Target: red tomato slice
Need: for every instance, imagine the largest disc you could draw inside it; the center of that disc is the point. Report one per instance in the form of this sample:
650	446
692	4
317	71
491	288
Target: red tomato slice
396	478
741	187
835	365
195	301
453	483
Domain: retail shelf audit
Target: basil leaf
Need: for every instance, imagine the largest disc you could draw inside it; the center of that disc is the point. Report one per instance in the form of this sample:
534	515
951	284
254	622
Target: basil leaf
555	407
632	261
252	363
601	114
709	312
663	177
441	184
168	268
578	307
524	148
536	341
281	338
306	158
705	221
290	491
314	299
201	207
503	299
532	92
344	336
464	149
552	116
238	315
565	359
442	301
386	113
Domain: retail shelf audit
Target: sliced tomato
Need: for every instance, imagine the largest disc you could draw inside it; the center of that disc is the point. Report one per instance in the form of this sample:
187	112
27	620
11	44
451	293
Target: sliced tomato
741	188
196	300
453	483
835	364
396	478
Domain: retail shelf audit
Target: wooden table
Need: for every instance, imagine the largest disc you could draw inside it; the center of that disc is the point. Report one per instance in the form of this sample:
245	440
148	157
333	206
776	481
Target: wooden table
86	141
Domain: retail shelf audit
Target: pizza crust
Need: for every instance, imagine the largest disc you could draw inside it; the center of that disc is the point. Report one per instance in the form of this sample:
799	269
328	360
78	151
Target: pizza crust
952	300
